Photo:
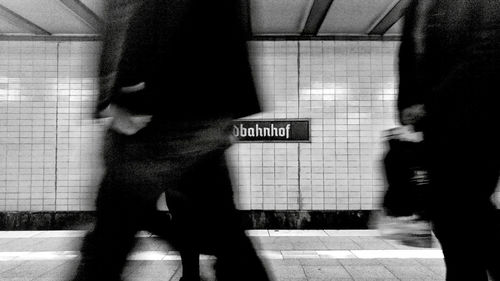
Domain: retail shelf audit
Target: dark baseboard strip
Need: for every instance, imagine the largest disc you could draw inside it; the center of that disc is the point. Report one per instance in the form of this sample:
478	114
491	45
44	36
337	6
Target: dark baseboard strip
45	220
256	219
253	219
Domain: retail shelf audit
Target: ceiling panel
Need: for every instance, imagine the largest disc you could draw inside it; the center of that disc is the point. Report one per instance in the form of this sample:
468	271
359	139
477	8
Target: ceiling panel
7	28
50	15
396	29
268	17
97	6
353	16
279	16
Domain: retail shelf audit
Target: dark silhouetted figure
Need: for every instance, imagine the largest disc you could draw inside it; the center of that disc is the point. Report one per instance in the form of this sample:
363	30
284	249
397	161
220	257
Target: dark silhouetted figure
182	76
450	85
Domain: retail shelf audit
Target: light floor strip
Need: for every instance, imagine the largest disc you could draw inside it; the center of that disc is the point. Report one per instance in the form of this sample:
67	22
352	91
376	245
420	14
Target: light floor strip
398	254
273	255
253	233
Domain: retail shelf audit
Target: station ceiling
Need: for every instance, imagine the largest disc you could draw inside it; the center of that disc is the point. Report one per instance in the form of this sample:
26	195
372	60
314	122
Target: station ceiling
297	19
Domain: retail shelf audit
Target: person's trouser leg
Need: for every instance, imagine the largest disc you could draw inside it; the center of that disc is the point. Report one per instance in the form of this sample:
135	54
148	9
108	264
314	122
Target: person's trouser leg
465	220
205	214
489	219
493	252
462	249
235	253
105	249
125	203
185	238
190	265
238	260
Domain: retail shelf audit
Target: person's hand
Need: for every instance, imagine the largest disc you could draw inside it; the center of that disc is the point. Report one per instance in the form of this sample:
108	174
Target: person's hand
125	123
413	114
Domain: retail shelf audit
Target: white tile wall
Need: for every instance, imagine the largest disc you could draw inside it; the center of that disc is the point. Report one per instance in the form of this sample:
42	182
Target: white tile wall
347	90
267	174
48	140
50	145
28	75
78	135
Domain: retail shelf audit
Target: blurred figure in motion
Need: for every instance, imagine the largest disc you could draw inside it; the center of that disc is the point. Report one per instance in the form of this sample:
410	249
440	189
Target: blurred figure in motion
182	75
117	15
449	86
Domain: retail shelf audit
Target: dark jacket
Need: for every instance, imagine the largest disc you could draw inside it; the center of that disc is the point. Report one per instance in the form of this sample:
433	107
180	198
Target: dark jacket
458	73
117	14
185	60
410	74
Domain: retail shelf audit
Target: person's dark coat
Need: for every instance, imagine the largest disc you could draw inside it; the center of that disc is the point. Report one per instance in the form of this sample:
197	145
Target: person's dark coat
457	74
185	60
117	14
410	75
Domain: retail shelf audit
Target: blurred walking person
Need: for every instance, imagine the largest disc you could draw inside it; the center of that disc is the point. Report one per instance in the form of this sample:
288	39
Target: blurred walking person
449	86
183	75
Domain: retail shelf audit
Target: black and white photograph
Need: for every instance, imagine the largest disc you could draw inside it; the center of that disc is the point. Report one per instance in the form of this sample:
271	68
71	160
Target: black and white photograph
249	140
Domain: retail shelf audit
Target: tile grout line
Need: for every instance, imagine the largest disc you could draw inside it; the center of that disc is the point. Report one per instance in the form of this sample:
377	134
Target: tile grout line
299	170
56	155
175	273
348	272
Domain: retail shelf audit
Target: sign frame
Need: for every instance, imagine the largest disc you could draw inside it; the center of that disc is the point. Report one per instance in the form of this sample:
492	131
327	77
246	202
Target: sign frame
289	120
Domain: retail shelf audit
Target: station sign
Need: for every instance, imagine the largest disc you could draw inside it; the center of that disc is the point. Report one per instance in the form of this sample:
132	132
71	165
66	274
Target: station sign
282	130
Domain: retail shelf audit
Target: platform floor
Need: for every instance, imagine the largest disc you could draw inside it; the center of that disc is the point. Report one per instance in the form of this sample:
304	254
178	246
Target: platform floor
296	255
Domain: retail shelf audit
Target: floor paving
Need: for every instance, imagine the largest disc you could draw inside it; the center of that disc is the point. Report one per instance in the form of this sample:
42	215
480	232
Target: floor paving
289	255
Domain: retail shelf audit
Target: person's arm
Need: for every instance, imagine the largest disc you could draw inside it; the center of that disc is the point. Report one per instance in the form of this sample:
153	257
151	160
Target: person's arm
117	17
129	104
410	98
130	89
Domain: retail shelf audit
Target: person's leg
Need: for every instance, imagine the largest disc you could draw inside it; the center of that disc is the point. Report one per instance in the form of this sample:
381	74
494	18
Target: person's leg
488	219
238	260
127	195
463	214
484	170
190	265
159	223
162	224
461	248
105	249
235	253
186	237
491	221
206	220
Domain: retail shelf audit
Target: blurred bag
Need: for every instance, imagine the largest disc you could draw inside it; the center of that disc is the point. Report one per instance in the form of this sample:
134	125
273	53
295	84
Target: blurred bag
406	174
410	231
404	216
